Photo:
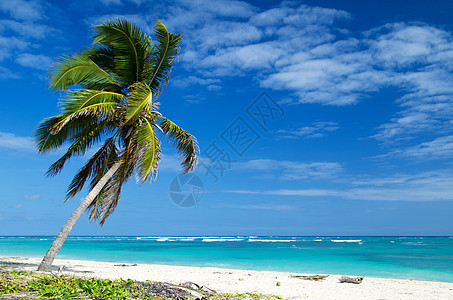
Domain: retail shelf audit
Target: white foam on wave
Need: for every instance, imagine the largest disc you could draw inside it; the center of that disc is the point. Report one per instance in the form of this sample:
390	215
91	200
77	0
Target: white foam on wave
317	240
43	239
162	239
221	240
272	241
346	241
413	243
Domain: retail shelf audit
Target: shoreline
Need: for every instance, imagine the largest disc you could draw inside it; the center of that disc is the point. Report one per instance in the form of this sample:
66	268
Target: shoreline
226	280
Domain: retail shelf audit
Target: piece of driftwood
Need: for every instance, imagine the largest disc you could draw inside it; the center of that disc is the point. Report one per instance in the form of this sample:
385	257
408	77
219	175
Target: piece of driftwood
309	277
347	279
199	288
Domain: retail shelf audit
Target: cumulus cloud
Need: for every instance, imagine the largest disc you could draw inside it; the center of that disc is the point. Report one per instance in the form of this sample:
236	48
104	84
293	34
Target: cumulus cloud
37	61
170	163
291	170
111	2
188	81
426	186
19	34
315	130
11	141
32	197
261	206
22	10
6	73
311	53
10	44
26	29
307	51
438	148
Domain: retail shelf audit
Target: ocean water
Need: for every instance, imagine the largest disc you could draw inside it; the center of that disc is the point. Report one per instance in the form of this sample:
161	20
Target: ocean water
420	258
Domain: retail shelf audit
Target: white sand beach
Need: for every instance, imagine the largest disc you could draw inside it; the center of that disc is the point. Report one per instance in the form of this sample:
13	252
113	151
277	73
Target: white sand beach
247	281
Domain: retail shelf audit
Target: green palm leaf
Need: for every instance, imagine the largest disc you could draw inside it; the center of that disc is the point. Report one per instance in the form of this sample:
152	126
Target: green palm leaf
48	139
105	155
140	101
163	56
185	143
79	69
98	104
131	48
150	151
83	141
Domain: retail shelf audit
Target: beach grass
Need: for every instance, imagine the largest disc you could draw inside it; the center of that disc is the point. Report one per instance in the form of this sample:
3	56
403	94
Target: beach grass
18	284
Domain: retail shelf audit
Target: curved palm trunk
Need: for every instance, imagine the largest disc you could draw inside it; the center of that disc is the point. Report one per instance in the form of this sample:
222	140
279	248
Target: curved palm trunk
61	237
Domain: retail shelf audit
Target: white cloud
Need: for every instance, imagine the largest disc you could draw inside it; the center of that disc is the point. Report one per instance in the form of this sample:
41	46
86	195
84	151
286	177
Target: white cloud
439	148
306	51
291	170
26	29
22	10
10	44
170	163
32	197
220	8
427	186
316	130
7	74
302	49
247	40
37	61
261	206
189	81
18	35
11	141
111	2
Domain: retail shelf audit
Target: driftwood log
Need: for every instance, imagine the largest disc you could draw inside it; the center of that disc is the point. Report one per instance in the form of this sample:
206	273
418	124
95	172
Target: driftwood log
309	277
347	279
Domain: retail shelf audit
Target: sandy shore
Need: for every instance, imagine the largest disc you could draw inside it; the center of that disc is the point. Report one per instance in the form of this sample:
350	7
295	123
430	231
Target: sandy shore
246	281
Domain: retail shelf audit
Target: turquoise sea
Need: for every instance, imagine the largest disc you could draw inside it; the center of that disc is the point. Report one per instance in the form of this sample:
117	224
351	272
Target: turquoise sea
421	258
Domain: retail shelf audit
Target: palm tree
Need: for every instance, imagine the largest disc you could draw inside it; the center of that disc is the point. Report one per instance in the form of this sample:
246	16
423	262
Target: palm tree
115	84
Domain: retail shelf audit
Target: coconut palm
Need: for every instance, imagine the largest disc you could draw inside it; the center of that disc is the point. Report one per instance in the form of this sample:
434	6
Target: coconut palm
112	102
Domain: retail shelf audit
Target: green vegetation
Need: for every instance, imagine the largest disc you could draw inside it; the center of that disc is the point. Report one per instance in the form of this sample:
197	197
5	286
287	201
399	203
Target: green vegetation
31	285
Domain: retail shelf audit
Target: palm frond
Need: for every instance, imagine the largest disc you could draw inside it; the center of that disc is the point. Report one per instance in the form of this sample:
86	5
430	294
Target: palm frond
112	190
149	152
185	143
83	141
92	167
99	104
130	45
95	206
46	138
140	101
102	166
164	53
79	69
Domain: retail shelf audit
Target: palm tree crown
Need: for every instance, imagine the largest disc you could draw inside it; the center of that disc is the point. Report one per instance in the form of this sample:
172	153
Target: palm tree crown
111	90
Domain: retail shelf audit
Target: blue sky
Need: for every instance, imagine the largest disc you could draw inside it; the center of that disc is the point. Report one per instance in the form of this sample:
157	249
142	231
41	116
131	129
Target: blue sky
355	135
